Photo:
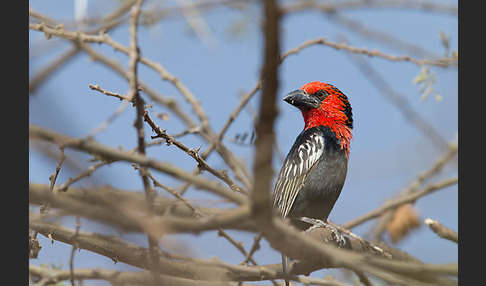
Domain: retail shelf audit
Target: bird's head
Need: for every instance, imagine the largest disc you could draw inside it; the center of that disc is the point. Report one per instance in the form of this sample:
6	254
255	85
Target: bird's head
322	104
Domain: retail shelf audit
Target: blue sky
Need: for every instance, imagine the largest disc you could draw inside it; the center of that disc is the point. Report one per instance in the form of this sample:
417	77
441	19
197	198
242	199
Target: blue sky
387	151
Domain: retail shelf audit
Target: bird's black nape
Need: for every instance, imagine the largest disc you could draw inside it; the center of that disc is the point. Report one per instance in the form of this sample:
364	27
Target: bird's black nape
348	111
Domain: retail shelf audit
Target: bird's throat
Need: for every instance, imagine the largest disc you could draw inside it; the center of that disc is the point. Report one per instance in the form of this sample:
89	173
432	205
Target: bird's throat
336	121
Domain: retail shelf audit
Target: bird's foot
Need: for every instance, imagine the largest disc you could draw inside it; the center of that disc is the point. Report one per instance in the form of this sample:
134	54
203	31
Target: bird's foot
316	223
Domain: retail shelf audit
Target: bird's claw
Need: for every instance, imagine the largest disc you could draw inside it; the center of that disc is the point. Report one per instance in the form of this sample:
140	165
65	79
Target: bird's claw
316	223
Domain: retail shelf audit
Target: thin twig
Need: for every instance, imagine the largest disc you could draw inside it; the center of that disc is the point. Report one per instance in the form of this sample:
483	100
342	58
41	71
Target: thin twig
53	179
114	115
255	246
194	153
106	92
73	250
408	198
441	230
332	6
372	53
197	212
412	188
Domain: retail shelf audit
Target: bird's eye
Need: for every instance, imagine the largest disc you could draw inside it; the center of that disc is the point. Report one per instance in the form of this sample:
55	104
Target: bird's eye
322	93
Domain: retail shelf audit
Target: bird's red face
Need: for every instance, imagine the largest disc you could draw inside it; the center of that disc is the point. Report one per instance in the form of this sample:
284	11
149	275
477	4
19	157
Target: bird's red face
322	104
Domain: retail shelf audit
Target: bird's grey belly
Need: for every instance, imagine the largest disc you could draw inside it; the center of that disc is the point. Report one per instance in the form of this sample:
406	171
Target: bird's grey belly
321	190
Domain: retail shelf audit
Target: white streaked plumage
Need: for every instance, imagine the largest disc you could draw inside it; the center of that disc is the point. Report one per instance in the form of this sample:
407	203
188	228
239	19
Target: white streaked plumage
295	170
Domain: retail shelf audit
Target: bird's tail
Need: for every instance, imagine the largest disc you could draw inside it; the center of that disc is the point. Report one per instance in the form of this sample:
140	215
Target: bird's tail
285	260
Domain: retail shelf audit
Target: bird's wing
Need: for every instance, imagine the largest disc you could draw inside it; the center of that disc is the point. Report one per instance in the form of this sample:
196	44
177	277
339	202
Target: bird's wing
300	161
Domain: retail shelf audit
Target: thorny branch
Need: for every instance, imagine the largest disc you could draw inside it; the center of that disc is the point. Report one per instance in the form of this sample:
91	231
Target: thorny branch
206	130
134	95
194	153
108	153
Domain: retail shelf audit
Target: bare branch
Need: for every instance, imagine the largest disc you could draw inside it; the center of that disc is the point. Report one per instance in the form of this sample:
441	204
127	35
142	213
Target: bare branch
115	277
372	53
52	179
119	250
202	165
108	153
407	198
262	166
114	94
441	230
332	6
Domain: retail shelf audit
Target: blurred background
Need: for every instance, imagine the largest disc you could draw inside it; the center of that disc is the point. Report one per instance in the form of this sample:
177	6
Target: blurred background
405	112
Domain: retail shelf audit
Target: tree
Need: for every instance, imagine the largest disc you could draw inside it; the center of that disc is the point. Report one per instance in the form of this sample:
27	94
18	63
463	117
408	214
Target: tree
179	163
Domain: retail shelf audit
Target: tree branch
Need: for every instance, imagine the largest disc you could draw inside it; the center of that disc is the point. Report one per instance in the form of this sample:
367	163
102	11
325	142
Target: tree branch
108	153
406	198
208	134
130	215
115	277
262	166
441	230
445	62
213	270
201	163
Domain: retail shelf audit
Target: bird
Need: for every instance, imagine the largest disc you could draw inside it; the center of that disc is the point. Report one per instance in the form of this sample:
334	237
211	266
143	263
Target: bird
314	171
